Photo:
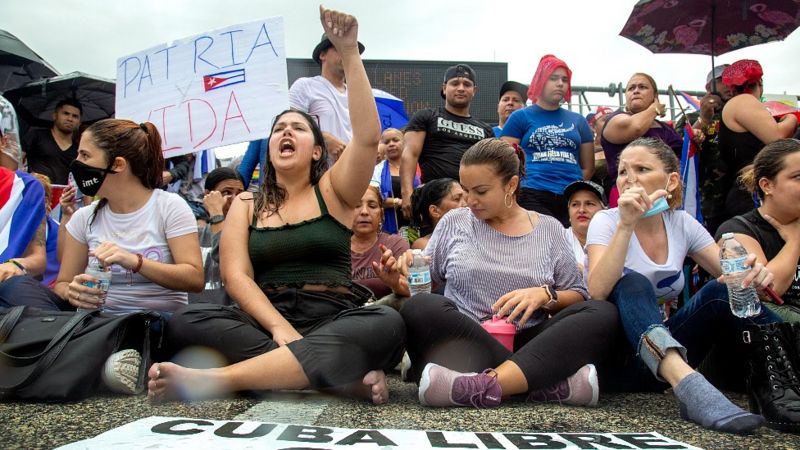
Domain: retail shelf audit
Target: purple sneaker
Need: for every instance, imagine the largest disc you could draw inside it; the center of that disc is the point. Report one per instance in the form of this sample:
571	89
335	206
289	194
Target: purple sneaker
440	386
580	389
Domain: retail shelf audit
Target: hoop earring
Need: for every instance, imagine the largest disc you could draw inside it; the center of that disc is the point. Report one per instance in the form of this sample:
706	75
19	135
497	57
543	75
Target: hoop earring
508	202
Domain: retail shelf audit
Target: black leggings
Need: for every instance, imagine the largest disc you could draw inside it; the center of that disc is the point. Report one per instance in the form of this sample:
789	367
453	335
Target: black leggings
338	347
549	352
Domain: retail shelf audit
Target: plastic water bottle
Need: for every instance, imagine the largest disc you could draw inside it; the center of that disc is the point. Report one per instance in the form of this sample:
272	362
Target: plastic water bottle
732	255
419	274
103	279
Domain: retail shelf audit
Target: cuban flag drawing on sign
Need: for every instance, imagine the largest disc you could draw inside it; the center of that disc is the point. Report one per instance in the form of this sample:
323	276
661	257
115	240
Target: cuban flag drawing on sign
391	111
223	79
689	172
21	211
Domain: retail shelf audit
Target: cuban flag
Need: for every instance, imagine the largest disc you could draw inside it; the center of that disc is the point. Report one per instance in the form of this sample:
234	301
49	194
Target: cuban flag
21	211
391	111
204	161
689	172
223	79
690	100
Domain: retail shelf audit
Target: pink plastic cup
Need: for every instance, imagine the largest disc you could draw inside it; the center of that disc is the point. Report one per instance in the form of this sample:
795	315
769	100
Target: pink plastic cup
501	330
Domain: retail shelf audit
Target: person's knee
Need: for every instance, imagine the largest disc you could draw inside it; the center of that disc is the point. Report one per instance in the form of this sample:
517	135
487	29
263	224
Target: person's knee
183	326
419	307
9	287
606	312
25	290
631	288
389	323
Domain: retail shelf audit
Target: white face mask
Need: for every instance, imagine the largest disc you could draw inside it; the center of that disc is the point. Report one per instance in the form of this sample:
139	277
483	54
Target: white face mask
659	206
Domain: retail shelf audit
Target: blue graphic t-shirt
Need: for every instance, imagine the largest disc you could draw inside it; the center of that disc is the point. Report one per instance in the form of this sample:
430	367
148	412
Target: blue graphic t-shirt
552	143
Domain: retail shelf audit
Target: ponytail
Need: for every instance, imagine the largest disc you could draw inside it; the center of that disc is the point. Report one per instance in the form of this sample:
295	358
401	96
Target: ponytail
769	161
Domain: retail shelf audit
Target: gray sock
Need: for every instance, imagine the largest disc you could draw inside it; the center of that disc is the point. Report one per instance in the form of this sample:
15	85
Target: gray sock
702	403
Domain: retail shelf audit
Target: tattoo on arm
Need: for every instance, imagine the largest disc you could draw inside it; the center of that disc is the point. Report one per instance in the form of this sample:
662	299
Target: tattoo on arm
40	238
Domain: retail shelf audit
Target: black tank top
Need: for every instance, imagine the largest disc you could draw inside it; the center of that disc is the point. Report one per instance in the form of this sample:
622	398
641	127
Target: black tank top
314	251
737	149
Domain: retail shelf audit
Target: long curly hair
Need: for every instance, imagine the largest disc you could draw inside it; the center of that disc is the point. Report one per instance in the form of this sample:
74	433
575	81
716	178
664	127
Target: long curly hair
271	195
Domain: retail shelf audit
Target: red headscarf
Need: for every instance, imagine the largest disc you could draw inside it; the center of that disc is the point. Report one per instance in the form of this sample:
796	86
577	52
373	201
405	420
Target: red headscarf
547	65
742	72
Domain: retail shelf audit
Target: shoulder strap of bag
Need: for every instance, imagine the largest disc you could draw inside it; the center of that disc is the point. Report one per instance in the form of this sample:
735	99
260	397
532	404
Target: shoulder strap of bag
756	232
53	349
9	322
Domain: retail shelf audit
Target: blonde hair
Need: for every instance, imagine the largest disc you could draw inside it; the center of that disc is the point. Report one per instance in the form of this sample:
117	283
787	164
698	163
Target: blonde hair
667	157
44	180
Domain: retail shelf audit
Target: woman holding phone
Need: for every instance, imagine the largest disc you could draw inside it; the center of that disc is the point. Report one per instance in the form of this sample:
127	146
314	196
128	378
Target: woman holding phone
638	119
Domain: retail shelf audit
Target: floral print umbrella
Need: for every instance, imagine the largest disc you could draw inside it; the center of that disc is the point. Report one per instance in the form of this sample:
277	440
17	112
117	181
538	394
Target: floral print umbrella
710	27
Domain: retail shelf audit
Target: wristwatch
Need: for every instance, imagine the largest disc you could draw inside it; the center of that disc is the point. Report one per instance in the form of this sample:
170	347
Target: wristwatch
551	294
216	219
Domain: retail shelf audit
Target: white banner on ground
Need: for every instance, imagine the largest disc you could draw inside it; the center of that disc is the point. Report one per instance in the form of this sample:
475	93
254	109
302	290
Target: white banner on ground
198	434
217	88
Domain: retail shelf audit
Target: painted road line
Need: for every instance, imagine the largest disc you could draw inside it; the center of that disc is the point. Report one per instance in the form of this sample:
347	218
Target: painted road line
288	407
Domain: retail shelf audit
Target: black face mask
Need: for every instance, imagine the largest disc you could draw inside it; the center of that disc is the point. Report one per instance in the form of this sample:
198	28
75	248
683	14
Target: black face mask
88	178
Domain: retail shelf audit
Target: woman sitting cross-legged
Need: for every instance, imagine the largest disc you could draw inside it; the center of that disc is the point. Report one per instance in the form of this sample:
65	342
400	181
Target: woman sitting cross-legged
146	238
500	259
285	260
636	255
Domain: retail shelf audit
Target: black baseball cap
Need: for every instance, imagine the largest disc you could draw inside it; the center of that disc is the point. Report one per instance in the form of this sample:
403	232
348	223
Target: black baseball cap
517	87
459	70
324	44
585	185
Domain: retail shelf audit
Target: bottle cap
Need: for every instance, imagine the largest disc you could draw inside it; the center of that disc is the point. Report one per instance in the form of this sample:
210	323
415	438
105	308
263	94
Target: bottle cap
498	325
727	236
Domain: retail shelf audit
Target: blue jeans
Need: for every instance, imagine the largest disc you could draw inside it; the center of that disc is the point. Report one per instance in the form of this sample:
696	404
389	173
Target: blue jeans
692	330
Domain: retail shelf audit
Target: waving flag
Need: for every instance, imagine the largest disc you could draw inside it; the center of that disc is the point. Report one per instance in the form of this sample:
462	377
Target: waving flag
689	171
204	161
391	111
692	101
21	211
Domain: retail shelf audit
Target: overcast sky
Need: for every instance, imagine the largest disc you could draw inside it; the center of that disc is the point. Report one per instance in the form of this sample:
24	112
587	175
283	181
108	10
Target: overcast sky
89	35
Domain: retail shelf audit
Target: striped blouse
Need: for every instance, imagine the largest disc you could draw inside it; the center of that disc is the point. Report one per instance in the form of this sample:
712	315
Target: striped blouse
480	264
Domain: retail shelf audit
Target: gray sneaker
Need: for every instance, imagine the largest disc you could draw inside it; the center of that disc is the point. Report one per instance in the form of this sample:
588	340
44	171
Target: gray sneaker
440	386
580	389
121	371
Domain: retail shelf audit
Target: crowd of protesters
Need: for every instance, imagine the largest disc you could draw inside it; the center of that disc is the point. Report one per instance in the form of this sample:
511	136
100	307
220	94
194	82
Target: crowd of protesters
548	220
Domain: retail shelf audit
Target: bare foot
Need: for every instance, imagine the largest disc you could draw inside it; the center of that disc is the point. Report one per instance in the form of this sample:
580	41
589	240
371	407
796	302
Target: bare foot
378	390
170	381
372	387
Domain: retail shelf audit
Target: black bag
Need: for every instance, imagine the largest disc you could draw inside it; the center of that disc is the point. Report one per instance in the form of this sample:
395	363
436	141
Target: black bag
58	356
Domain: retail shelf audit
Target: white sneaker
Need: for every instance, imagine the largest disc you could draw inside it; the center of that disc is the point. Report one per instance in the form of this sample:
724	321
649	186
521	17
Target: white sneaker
121	371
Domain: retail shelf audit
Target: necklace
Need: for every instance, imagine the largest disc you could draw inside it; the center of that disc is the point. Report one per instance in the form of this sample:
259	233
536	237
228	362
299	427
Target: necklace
360	247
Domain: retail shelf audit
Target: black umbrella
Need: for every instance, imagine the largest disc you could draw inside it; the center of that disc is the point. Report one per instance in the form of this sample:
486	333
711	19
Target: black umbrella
36	101
19	64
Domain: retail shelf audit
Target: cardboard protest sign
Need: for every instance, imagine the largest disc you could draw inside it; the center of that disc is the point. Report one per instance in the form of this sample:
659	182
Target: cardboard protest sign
176	432
217	88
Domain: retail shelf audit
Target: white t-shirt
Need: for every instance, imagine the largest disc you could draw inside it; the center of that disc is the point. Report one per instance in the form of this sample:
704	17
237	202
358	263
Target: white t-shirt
146	231
318	97
685	236
575	245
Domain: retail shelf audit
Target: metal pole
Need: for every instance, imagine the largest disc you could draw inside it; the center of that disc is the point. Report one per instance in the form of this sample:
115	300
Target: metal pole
713	38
